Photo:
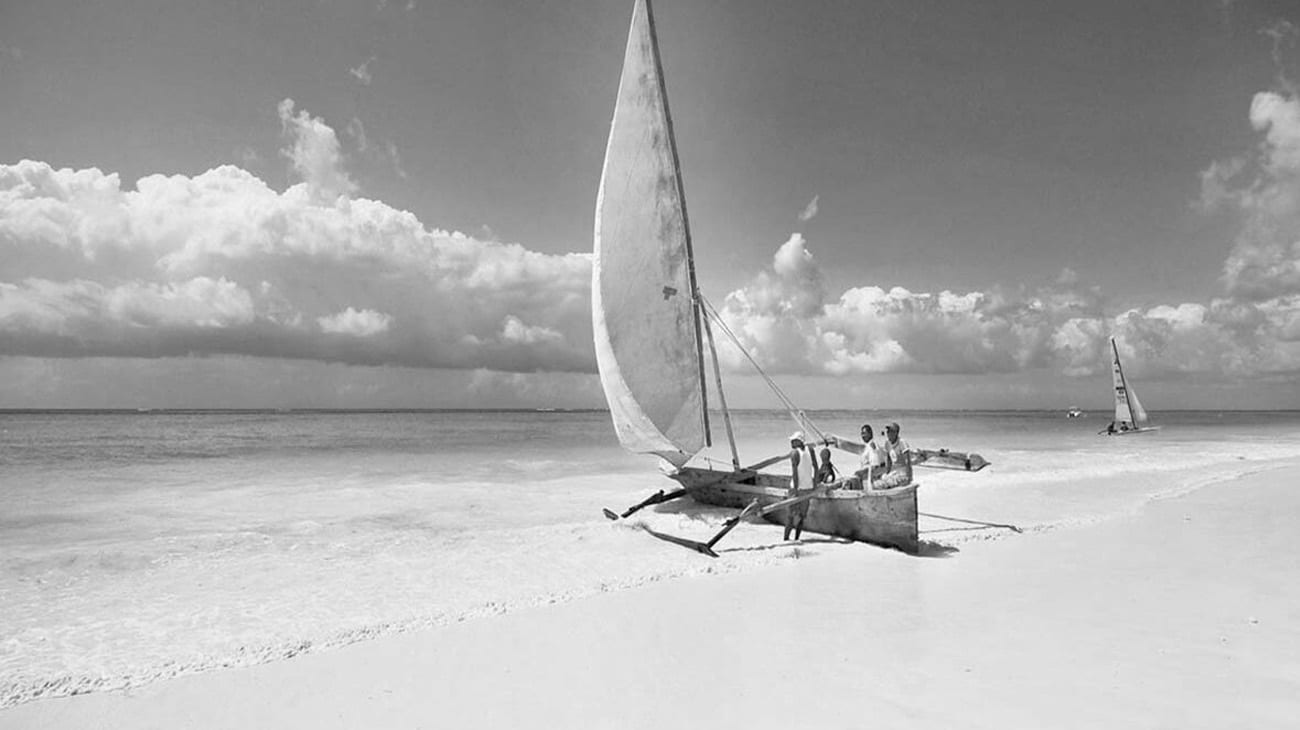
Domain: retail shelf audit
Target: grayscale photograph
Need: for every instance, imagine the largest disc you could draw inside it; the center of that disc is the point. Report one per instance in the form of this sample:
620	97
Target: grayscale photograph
647	364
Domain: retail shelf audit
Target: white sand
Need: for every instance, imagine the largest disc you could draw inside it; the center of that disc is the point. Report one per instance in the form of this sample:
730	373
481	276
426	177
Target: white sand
1186	615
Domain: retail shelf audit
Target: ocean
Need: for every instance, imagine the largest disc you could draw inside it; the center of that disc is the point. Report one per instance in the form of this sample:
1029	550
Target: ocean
141	545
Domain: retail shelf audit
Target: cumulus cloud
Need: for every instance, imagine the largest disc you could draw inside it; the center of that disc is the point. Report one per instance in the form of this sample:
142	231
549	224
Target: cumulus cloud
1265	258
514	330
787	324
314	154
810	210
1262	190
201	302
1252	327
220	263
223	264
871	330
357	323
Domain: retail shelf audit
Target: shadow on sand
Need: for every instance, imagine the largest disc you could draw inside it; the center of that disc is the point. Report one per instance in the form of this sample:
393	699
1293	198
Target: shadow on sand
692	509
796	544
932	549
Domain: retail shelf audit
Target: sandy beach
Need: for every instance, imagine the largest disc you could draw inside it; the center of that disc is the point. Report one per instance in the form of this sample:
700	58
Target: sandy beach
1182	615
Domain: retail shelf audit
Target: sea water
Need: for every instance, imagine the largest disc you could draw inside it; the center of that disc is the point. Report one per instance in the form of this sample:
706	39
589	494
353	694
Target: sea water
142	545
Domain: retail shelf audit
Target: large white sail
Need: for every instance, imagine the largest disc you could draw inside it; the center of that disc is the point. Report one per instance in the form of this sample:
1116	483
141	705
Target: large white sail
643	309
1127	407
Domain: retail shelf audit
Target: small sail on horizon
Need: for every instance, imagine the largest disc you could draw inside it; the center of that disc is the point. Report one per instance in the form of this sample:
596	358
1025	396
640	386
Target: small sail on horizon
644	310
1129	413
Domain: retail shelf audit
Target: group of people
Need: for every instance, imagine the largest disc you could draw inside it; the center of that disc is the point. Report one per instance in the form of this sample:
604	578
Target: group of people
880	466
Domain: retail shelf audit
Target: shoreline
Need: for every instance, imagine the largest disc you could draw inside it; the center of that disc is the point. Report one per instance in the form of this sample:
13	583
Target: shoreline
1175	615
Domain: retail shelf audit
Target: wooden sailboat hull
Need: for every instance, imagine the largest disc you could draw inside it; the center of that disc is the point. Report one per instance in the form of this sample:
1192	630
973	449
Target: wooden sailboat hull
885	517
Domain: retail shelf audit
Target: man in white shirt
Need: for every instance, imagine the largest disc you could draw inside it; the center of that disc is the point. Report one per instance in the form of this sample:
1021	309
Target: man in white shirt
873	462
899	457
803	464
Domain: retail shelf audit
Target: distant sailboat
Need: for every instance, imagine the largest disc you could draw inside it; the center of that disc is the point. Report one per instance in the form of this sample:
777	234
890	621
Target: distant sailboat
651	325
1130	416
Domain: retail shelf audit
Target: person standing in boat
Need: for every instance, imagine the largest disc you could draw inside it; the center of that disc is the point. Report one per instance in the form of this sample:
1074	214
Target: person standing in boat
898	455
873	462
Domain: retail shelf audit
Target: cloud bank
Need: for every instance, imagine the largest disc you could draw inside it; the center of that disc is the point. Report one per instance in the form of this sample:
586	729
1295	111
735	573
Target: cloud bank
786	322
222	264
1251	329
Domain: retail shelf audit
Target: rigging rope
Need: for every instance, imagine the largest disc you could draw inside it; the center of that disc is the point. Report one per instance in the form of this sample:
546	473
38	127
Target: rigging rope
796	413
972	522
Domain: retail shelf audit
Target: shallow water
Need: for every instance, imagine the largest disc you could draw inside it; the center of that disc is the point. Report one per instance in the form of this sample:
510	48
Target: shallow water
135	546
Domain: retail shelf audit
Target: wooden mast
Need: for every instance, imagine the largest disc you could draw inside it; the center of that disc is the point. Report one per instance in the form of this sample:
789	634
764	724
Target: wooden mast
722	399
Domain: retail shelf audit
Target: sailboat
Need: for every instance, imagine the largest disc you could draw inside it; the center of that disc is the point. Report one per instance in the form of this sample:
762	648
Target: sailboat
1130	416
652	328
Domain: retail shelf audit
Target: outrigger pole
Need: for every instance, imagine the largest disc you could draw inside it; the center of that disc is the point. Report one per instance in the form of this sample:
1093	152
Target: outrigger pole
706	548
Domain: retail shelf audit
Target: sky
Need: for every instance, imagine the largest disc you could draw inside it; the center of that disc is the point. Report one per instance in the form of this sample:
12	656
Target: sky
894	204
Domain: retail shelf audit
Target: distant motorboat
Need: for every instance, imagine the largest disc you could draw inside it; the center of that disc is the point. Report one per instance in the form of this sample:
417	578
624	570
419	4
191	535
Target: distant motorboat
1074	413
